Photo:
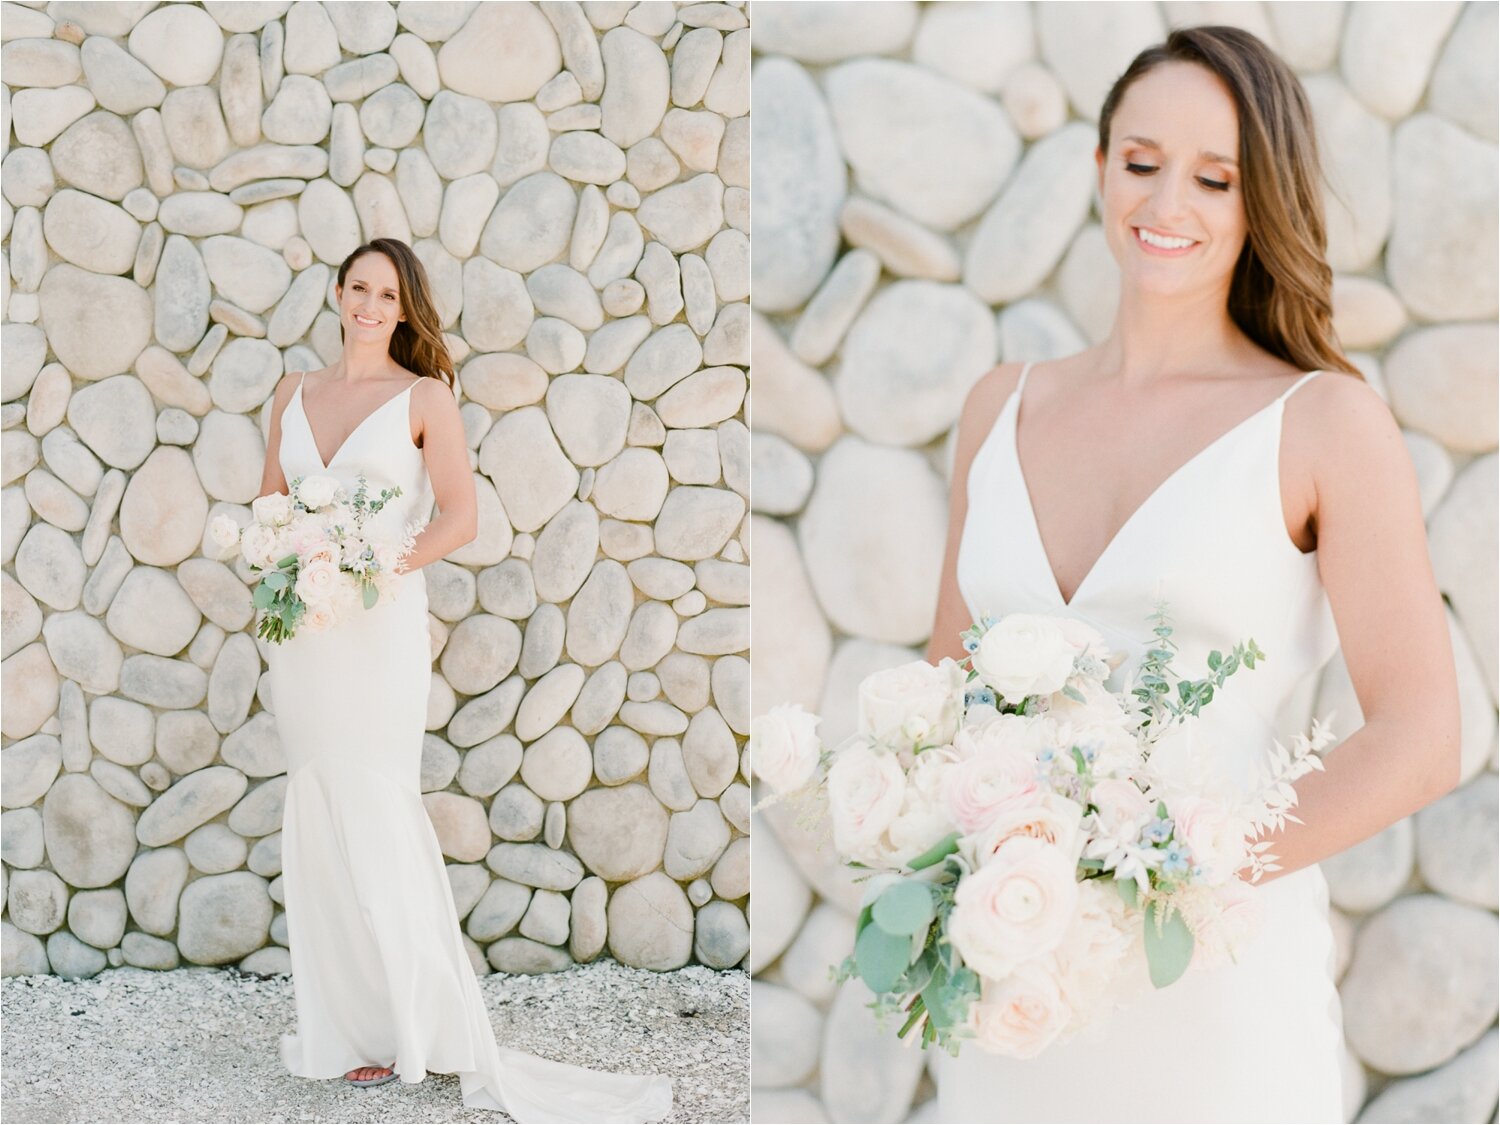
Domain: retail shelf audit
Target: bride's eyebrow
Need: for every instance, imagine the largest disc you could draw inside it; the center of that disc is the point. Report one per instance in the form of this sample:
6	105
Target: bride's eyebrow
1216	157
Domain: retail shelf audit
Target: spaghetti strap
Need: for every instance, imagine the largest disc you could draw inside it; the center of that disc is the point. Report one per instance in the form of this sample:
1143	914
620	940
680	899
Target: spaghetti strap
1021	381
1286	394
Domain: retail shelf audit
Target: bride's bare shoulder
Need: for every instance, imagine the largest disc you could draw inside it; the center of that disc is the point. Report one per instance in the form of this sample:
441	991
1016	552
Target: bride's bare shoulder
984	402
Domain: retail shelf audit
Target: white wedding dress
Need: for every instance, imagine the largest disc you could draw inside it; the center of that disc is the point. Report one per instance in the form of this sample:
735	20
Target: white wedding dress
379	968
1256	1041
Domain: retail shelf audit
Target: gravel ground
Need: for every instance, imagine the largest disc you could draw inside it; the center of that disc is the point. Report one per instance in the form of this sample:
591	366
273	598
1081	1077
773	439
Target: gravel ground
199	1045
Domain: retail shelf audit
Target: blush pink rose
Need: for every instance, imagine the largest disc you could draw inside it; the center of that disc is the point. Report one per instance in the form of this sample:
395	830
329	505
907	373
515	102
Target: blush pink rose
1022	1014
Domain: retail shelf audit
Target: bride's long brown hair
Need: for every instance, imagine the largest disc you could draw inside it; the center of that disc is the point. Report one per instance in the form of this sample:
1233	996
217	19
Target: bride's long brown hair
1281	295
417	344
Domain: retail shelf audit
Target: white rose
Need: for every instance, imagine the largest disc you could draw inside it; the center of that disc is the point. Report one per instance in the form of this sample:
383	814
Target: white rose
784	747
1086	962
1215	837
1020	1014
258	545
1024	654
274	509
317	491
1108	749
997	733
1085	639
915	704
1015	908
224	532
865	791
386	557
1053	819
924	818
1121	809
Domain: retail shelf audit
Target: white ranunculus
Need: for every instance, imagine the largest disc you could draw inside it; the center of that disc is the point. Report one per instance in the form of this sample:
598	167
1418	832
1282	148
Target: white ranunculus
784	747
865	791
914	704
317	582
1022	1014
258	544
1016	907
224	532
317	491
274	508
1024	654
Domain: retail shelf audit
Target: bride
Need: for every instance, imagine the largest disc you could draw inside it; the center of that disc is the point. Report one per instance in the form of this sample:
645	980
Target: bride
383	984
1218	450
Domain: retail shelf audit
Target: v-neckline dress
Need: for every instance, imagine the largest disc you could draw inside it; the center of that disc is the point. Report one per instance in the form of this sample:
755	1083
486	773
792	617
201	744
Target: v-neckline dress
380	973
1260	1040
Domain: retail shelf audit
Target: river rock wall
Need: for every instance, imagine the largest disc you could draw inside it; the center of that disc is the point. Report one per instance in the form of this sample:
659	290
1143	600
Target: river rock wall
180	181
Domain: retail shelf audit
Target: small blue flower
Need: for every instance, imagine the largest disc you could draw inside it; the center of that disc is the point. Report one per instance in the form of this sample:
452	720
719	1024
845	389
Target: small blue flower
987	621
1047	755
1176	861
1157	832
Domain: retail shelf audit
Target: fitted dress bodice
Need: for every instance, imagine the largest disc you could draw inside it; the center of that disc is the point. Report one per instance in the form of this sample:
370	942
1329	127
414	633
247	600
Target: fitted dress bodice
1259	1040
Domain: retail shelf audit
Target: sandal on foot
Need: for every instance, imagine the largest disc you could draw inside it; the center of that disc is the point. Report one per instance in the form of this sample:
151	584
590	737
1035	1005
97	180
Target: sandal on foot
370	1081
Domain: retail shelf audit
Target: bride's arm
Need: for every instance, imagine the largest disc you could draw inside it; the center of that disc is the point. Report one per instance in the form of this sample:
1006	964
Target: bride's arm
1374	563
980	410
447	456
272	479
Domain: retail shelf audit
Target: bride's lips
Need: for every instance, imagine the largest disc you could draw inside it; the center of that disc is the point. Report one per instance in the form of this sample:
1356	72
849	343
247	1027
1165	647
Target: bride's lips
1160	251
365	322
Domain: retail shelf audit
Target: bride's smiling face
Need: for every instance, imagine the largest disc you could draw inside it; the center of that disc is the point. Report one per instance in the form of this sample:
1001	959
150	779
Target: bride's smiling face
1170	186
370	300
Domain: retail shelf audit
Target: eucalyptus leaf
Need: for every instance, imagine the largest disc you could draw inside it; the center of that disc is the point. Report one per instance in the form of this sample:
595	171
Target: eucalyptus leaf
937	853
1169	946
370	594
904	908
882	958
263	596
276	580
1129	891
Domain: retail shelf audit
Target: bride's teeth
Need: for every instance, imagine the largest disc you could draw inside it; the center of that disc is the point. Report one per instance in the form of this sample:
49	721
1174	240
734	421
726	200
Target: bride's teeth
1165	243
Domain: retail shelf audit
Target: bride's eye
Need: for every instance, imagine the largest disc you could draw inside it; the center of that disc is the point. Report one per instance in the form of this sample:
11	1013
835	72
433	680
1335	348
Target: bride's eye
1139	169
1216	185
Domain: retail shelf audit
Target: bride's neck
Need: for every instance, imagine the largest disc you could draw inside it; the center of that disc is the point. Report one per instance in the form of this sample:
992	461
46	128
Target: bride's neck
1155	337
365	362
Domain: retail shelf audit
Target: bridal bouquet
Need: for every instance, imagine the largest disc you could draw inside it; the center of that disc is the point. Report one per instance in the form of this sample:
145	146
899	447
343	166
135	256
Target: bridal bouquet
1037	845
316	562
